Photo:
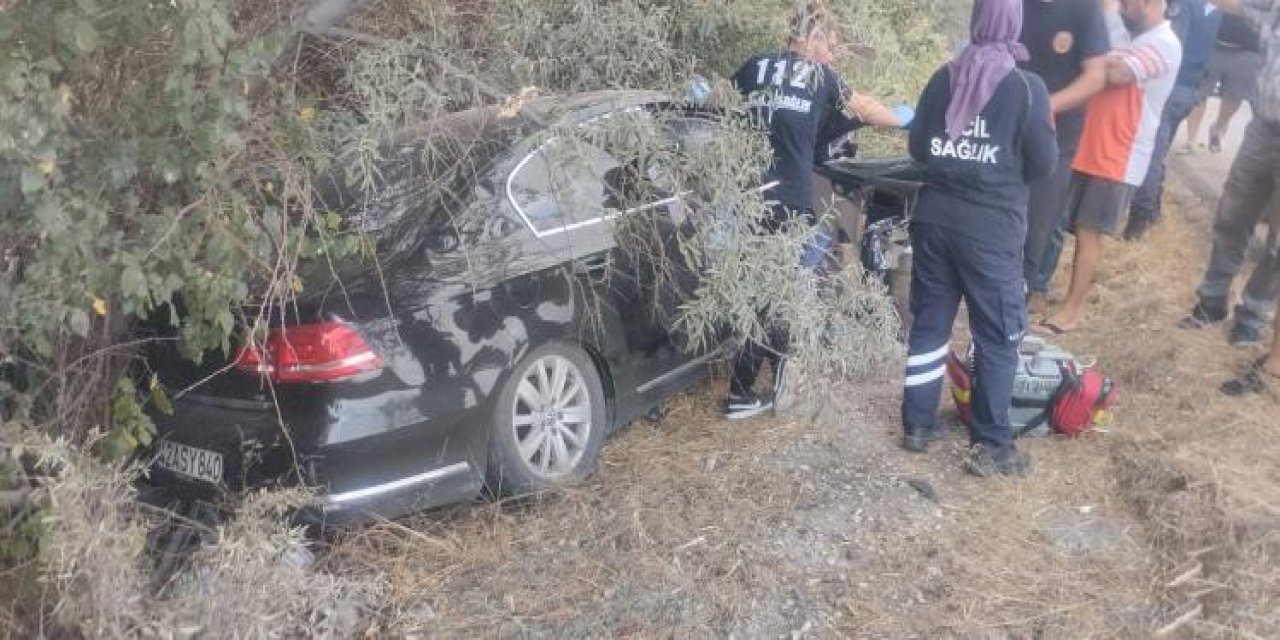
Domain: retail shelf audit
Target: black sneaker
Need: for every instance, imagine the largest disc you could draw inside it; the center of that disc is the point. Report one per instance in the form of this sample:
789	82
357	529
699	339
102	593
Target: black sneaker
740	407
1136	229
984	463
1243	335
917	439
1254	380
1203	316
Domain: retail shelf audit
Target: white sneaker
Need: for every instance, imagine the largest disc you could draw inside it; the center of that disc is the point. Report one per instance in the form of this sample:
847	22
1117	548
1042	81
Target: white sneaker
741	407
784	396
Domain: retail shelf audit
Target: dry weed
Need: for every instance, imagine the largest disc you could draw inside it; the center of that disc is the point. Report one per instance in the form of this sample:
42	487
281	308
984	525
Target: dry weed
1198	467
693	527
242	582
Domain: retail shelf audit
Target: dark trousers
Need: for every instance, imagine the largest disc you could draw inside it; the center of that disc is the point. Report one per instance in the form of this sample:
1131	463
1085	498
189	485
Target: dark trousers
1147	199
1046	215
1246	199
746	367
949	267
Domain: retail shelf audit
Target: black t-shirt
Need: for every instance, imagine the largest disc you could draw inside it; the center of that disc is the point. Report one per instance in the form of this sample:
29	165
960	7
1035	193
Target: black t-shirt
976	185
788	96
1061	35
1237	33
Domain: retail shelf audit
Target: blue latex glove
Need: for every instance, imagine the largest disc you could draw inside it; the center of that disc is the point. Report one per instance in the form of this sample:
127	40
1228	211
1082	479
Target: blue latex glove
905	114
698	91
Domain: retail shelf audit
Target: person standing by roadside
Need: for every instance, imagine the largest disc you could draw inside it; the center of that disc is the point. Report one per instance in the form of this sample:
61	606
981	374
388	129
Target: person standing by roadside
1116	145
1038	287
1233	70
1065	40
1251	187
1263	373
1196	23
788	94
984	131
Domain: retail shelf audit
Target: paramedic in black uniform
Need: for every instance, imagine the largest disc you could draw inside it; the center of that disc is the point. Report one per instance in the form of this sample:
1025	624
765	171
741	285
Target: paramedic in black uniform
788	94
983	130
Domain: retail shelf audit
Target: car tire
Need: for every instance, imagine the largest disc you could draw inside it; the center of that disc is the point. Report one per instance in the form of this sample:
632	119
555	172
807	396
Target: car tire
549	422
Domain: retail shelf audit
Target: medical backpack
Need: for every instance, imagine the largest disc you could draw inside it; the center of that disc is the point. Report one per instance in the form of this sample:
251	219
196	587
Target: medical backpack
1052	391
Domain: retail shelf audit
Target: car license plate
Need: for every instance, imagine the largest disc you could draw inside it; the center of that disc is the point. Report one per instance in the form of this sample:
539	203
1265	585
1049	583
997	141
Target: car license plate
200	464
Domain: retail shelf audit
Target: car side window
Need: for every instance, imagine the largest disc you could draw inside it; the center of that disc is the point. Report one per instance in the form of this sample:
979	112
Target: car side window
562	185
691	131
690	135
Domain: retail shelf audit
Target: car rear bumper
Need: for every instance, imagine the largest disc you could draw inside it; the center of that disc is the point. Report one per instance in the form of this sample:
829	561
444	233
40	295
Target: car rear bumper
447	484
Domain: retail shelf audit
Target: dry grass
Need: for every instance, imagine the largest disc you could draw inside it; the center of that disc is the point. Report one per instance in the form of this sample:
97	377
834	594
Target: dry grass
663	539
805	527
96	574
695	527
1198	467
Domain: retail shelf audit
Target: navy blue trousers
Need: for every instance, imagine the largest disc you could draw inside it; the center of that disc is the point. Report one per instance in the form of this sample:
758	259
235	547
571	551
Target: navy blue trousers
948	267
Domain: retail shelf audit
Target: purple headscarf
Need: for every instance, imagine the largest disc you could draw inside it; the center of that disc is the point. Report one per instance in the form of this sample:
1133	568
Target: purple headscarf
992	53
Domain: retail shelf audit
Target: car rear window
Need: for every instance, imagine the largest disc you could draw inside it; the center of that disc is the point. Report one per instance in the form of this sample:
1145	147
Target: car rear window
561	185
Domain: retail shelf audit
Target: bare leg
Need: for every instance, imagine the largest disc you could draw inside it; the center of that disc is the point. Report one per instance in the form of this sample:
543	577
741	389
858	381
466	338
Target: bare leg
1088	255
1226	111
1272	365
1194	120
1037	304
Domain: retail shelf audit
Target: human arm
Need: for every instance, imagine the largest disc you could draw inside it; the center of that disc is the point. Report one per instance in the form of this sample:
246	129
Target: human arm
1092	79
1118	73
1091	38
865	109
873	112
1039	139
1244	6
1142	63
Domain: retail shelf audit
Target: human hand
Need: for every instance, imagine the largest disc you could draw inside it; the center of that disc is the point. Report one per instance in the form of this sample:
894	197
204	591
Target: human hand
905	114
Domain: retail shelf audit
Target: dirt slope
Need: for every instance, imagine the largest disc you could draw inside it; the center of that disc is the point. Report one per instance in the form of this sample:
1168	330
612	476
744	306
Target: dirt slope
694	527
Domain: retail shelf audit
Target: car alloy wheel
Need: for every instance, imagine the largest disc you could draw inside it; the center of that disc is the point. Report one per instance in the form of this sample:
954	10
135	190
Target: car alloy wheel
551	417
549	421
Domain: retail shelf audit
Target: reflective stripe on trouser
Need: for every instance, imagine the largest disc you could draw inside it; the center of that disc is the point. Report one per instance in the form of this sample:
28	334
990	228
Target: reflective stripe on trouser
927	368
949	267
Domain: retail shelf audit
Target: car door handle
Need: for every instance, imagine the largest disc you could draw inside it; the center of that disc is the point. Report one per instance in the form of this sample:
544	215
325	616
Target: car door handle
591	265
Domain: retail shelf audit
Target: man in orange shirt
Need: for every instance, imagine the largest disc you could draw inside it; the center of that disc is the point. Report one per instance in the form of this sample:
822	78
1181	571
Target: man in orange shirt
1116	146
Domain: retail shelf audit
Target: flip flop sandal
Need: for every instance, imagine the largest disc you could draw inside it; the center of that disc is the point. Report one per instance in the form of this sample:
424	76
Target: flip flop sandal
1053	329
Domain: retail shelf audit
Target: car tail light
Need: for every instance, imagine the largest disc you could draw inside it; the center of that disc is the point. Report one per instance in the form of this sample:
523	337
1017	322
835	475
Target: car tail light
324	352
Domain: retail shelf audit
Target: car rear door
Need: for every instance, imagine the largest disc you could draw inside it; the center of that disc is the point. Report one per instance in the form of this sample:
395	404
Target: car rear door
570	192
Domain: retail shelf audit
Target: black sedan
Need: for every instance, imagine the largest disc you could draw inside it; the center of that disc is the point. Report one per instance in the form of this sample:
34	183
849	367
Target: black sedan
497	338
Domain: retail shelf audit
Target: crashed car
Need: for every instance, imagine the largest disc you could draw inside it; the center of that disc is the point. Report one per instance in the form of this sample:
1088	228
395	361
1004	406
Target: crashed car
497	339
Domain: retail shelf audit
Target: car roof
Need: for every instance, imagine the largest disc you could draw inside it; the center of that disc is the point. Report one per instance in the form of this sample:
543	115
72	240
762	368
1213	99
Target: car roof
472	136
536	113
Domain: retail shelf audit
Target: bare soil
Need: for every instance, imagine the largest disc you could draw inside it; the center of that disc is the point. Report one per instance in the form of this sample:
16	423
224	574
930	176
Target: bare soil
1166	524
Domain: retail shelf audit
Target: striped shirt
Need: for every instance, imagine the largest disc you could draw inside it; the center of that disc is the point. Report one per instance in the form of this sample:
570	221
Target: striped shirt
1121	122
1266	14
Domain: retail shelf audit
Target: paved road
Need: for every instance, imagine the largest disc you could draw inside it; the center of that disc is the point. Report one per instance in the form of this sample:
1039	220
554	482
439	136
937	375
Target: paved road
1202	171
